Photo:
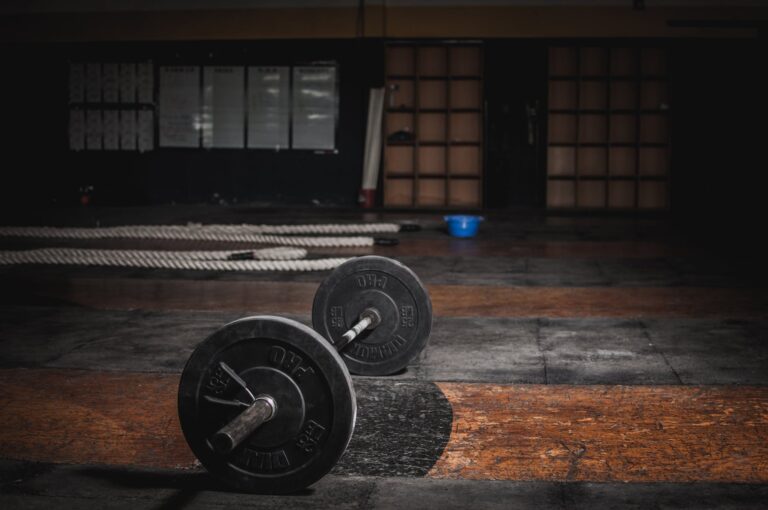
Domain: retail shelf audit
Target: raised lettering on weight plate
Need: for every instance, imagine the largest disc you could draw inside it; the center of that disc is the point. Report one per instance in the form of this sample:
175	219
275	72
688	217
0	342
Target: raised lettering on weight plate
407	316
371	281
289	362
337	317
310	436
264	462
378	352
218	381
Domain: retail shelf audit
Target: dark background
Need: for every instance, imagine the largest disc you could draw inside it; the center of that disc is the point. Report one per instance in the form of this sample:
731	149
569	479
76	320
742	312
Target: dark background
717	137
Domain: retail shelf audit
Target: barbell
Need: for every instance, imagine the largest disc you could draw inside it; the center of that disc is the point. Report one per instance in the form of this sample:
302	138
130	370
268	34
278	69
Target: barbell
267	404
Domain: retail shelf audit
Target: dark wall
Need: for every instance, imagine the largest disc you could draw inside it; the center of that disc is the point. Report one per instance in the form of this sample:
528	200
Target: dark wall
718	131
718	112
34	131
718	137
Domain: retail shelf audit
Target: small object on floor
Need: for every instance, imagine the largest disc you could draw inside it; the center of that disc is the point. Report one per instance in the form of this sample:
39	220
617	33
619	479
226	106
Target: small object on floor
266	405
386	241
376	312
463	225
408	226
401	136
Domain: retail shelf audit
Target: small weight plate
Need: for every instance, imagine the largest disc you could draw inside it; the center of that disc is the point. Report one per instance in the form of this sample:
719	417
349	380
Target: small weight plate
401	300
315	399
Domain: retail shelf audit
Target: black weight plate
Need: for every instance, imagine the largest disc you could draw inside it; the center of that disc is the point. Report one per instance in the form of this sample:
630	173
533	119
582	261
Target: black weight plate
316	406
399	296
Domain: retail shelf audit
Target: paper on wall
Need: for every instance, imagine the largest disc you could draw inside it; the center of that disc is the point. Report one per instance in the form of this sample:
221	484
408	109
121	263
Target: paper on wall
179	106
223	114
111	129
93	82
128	130
145	82
146	130
127	82
314	107
110	82
93	130
269	107
76	129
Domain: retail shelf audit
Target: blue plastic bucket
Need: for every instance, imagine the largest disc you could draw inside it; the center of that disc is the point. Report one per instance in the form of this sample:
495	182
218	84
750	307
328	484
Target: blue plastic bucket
461	225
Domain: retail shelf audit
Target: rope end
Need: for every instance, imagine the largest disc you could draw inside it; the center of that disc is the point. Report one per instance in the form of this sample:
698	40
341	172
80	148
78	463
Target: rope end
386	241
410	227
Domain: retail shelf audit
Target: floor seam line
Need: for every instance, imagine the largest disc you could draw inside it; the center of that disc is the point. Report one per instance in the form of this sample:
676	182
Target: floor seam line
660	353
541	350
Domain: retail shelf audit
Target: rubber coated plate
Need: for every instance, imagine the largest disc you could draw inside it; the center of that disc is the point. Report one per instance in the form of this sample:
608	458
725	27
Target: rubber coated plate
401	300
315	403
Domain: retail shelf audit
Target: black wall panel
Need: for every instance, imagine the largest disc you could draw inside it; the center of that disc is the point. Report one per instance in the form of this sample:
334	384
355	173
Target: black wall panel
718	115
34	131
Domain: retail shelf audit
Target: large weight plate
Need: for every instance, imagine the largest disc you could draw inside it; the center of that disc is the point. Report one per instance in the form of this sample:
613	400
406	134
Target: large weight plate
316	406
399	296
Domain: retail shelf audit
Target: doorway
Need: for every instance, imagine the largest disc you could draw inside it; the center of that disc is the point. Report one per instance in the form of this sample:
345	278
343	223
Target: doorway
516	85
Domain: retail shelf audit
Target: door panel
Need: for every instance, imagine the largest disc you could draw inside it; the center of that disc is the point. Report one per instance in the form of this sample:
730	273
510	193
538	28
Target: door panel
515	90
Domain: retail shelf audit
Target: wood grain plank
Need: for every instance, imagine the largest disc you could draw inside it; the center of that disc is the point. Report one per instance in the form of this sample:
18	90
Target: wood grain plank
499	432
167	294
82	417
500	301
501	247
447	300
606	433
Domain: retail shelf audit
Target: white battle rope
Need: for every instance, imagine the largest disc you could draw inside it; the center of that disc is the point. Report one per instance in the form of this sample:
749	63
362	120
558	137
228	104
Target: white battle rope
183	233
280	253
227	233
283	259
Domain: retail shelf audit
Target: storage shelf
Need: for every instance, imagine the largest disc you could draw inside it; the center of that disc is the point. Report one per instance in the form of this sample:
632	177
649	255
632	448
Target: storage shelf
434	144
631	178
642	77
608	144
464	177
439	98
430	176
608	127
435	77
628	111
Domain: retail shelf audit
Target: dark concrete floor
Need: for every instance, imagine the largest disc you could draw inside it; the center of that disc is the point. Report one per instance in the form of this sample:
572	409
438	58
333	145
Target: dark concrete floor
50	486
476	270
594	350
499	350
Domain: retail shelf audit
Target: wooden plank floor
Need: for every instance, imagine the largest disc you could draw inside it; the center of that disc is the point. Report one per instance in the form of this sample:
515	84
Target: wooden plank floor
447	300
575	363
499	432
607	433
